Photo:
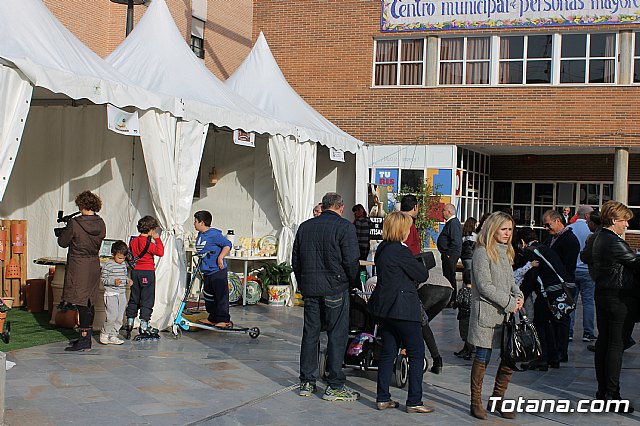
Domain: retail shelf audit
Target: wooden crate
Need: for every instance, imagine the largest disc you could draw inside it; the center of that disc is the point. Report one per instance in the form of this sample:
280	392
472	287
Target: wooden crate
15	287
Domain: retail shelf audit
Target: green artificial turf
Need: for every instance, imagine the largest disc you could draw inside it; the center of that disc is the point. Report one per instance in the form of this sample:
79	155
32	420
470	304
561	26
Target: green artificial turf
29	330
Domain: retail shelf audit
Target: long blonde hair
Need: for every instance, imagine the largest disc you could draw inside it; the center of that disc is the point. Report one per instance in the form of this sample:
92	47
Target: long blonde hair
487	239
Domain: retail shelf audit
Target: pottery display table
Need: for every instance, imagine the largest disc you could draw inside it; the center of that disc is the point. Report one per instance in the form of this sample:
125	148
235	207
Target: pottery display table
57	284
246	260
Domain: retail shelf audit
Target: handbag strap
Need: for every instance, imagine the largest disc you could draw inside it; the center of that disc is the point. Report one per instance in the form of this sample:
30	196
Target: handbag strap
553	287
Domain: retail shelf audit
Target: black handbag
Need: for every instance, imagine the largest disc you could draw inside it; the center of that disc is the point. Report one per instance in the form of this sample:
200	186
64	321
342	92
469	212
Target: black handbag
520	341
563	304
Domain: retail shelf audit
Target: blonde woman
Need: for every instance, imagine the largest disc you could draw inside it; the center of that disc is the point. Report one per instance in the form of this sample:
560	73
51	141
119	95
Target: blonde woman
494	294
395	304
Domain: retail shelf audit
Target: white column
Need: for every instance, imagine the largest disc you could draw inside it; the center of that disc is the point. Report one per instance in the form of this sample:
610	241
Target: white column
621	175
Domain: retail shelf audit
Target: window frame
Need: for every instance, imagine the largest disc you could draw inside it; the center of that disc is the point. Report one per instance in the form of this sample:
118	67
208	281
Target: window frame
588	58
464	60
399	62
199	48
526	59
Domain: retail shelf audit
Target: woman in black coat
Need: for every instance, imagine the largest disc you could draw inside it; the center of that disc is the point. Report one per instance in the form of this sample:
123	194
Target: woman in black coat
396	305
613	265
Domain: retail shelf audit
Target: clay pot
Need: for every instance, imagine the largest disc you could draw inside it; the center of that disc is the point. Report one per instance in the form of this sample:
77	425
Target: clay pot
4	237
12	270
68	318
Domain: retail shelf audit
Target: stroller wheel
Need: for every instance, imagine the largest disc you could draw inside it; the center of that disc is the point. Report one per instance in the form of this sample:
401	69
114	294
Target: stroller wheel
401	370
322	365
368	359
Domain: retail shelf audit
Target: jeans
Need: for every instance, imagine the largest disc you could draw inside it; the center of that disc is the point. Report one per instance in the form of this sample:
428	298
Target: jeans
562	328
330	314
585	287
483	355
449	272
434	298
615	312
392	332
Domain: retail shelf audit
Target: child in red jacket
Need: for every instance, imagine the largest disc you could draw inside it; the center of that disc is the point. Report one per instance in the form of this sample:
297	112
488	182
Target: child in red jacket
143	290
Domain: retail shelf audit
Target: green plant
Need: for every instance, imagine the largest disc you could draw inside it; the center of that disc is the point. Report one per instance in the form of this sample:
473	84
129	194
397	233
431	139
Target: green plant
275	274
429	204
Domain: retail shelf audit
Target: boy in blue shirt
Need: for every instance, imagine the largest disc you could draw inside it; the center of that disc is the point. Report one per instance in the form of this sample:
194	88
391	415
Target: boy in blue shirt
215	291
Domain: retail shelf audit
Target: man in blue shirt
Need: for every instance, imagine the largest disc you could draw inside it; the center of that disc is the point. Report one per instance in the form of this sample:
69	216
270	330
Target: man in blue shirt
215	291
585	286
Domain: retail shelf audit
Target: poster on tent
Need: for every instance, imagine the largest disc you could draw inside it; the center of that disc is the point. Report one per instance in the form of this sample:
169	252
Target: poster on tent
123	122
243	138
336	155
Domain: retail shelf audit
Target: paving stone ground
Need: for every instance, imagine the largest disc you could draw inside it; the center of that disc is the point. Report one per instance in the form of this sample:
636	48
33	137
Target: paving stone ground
208	378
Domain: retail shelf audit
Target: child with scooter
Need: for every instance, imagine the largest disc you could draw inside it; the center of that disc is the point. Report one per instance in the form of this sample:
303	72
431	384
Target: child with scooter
143	290
214	269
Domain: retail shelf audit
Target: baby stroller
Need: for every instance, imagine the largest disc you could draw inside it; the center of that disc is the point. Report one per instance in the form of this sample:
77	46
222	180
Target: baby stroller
364	346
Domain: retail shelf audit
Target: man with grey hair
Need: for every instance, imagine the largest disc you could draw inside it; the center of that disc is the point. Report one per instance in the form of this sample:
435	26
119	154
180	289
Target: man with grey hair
325	261
585	287
450	246
566	245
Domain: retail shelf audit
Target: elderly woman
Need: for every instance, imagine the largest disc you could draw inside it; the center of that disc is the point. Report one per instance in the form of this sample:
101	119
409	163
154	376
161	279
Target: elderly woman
395	304
83	236
494	294
613	265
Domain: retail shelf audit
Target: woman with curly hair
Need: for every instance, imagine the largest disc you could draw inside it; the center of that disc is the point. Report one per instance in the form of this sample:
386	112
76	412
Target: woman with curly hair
83	236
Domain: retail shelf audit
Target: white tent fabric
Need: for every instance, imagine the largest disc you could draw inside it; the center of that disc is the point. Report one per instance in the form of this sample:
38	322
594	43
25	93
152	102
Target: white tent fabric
156	56
15	100
50	56
294	170
260	80
362	175
172	151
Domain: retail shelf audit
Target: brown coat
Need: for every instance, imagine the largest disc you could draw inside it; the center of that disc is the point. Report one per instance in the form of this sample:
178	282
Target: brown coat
83	235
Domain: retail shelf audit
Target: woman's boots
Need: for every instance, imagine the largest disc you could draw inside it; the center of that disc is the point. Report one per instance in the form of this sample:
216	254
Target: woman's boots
83	342
477	376
503	377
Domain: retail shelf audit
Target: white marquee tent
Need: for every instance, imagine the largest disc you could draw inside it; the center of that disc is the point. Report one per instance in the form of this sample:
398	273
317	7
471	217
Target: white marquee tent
294	158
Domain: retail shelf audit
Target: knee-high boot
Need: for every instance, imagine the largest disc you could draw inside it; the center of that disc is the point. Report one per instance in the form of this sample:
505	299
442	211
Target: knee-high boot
477	376
503	377
83	342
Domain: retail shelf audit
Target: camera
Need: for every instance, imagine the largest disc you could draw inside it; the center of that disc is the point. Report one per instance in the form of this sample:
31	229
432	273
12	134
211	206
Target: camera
63	219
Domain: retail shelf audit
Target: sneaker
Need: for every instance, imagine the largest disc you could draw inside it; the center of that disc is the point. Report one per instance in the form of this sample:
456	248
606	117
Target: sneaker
114	340
307	388
343	394
104	339
589	338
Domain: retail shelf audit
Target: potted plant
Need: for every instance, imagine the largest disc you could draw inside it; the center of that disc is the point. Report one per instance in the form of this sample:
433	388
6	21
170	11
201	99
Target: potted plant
276	279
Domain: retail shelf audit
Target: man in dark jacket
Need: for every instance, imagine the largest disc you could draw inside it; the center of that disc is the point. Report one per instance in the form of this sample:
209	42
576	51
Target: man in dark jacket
564	242
325	263
450	246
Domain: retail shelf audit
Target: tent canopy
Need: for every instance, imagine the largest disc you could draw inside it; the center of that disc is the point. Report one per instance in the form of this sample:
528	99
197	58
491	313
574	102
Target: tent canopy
156	56
50	56
260	80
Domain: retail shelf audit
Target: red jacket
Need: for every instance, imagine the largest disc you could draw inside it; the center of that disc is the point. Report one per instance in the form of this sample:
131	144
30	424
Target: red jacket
413	240
146	262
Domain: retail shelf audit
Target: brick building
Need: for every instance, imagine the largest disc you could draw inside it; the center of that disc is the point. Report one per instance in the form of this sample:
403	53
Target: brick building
525	117
521	117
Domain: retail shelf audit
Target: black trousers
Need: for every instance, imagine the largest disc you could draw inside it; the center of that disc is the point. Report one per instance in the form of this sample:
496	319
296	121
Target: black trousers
86	314
449	271
434	298
216	296
143	294
615	315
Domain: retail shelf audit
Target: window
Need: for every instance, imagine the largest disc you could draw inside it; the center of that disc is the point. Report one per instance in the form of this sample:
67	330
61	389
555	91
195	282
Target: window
634	205
399	62
197	37
465	60
525	59
636	58
588	58
411	179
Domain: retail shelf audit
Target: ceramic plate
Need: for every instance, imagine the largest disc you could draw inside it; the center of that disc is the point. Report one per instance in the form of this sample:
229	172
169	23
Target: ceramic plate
268	244
235	287
253	292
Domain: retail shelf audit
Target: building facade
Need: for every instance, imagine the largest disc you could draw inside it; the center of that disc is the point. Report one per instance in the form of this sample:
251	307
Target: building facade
538	114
